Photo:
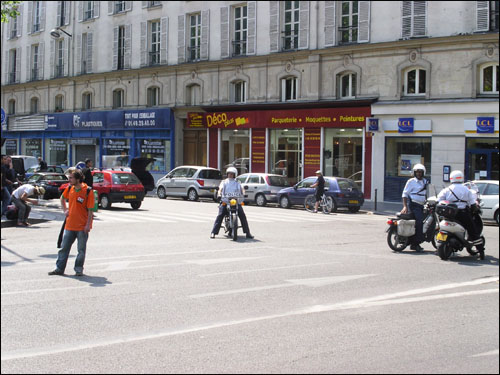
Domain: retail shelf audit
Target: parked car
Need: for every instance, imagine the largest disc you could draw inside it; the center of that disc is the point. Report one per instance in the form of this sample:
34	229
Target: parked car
50	168
262	188
50	181
189	182
115	186
488	192
345	193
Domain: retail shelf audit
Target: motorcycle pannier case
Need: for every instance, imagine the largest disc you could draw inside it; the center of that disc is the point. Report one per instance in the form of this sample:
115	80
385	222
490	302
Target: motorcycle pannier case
406	228
449	211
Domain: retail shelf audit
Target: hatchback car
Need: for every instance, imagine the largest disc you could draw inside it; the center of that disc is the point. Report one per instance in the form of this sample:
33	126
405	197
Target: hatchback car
488	192
51	182
189	182
50	168
345	193
262	188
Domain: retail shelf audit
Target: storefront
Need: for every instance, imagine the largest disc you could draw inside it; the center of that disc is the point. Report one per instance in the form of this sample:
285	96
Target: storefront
110	138
292	142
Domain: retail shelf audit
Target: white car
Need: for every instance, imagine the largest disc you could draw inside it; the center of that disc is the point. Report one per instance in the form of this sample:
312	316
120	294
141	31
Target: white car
488	190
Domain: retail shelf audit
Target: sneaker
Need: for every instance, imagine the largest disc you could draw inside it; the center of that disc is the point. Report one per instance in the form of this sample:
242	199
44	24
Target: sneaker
417	248
57	271
78	273
212	235
315	211
249	236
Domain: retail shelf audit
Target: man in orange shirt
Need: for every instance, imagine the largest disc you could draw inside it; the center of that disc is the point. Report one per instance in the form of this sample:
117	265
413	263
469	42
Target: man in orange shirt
78	222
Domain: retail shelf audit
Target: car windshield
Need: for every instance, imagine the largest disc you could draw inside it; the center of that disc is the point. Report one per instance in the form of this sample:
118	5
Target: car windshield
278	181
56	177
210	174
345	184
125	178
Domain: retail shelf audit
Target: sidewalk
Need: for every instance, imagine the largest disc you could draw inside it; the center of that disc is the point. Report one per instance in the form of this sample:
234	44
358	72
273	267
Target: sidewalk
383	208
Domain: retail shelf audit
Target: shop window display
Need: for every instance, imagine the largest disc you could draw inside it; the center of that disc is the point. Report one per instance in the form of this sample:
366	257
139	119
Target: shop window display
343	153
157	149
236	149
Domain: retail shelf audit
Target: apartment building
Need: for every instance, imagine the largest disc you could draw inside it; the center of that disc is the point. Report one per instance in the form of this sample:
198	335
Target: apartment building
354	88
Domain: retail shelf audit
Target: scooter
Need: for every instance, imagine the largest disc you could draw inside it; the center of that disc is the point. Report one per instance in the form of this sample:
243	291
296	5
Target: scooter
402	227
231	219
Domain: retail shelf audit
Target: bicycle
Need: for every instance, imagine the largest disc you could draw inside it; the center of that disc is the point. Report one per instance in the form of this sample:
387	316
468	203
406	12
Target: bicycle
326	203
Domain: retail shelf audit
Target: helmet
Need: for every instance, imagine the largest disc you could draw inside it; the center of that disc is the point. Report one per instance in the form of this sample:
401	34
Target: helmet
418	167
232	170
40	190
318	172
456	177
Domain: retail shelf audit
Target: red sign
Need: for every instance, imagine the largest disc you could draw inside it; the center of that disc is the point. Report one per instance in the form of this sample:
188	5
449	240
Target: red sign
258	150
312	147
354	117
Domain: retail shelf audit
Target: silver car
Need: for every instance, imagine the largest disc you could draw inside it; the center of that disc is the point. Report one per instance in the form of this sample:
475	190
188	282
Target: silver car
262	188
189	182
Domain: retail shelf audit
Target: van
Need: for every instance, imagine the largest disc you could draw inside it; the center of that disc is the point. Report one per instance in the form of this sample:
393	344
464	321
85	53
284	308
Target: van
21	163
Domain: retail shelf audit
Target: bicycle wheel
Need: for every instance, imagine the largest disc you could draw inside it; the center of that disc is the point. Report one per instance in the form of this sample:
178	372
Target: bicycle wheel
327	205
309	203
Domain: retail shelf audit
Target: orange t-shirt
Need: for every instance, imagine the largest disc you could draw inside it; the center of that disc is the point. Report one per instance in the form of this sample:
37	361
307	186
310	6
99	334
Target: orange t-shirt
79	205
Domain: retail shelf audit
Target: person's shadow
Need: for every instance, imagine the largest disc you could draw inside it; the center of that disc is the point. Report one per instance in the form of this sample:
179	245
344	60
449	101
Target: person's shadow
94	281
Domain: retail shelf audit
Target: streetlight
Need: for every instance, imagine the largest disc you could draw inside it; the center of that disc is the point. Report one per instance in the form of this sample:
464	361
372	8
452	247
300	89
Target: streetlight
54	33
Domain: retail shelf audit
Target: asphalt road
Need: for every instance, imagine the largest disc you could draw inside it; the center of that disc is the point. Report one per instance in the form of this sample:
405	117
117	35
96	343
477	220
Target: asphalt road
312	293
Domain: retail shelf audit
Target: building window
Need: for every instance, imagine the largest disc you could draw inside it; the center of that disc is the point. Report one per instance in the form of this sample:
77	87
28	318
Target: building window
494	9
289	89
152	4
35	62
240	89
193	94
119	6
489	79
61	9
414	82
84	52
34	105
88	10
86	101
346	84
194	37
121	47
414	19
13	76
153	96
117	98
154	54
291	26
240	31
13	27
349	22
59	103
12	107
36	16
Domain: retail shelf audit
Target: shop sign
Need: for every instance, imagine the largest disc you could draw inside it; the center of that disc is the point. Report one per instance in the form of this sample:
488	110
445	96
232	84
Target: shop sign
485	124
116	144
11	146
312	147
82	141
405	125
259	150
152	147
57	145
373	124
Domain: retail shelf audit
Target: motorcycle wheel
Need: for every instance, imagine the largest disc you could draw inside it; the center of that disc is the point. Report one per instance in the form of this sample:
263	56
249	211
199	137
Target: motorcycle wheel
444	250
235	228
434	243
394	241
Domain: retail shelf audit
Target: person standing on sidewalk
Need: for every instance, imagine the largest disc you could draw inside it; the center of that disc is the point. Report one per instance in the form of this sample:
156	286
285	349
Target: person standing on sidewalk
78	222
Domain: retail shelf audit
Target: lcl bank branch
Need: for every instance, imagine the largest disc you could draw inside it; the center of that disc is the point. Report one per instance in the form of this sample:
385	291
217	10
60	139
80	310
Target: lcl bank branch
293	142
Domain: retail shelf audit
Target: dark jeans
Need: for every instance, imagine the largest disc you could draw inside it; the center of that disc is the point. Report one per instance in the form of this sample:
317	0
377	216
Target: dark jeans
69	237
418	211
5	199
223	211
24	210
464	217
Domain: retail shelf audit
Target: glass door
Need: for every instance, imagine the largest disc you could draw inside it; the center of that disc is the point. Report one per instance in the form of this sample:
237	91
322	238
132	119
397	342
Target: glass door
285	153
482	164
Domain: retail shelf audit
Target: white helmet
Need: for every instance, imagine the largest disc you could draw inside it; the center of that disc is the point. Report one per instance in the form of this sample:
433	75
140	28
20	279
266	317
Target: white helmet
456	177
418	167
232	170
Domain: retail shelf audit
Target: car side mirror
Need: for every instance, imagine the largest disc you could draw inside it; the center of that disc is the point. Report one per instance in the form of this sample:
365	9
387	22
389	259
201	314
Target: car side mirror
295	187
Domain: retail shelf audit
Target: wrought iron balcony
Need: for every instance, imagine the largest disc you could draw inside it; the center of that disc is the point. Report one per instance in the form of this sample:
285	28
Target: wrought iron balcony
154	58
290	40
12	77
239	48
348	34
193	53
59	71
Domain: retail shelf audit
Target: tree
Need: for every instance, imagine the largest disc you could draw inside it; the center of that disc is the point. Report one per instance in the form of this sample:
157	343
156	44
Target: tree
9	10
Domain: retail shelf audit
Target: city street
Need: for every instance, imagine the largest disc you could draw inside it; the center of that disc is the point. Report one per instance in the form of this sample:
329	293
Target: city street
311	293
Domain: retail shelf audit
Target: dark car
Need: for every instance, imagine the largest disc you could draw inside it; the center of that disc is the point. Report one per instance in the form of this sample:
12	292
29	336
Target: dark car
345	193
50	168
50	181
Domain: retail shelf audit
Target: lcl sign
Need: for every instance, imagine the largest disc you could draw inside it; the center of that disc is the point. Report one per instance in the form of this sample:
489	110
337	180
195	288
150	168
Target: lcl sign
405	125
485	124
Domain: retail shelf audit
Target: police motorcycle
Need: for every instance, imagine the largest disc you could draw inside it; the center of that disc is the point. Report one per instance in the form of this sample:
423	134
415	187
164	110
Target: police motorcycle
452	236
402	227
231	219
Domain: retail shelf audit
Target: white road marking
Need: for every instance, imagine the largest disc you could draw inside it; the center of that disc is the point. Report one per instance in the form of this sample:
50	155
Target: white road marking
59	289
37	352
323	281
492	352
267	269
203	262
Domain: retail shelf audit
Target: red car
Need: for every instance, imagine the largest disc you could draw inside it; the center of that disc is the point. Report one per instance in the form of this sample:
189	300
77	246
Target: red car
115	186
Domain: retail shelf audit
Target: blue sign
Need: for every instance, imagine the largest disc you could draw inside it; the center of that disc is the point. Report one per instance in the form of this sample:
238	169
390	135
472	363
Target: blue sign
3	116
405	125
373	124
485	124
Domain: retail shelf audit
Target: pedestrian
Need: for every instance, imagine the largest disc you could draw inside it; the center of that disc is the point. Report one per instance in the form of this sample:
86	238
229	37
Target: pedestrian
20	200
319	184
6	183
42	164
87	173
78	222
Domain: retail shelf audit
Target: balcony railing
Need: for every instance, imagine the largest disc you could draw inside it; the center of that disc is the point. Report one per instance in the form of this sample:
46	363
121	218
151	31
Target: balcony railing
36	28
12	77
239	48
154	58
59	71
152	4
13	34
88	14
119	7
348	34
290	41
34	74
194	53
84	67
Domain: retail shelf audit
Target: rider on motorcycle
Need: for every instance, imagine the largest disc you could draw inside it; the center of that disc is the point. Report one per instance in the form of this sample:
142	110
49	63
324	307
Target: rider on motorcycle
227	188
465	200
414	193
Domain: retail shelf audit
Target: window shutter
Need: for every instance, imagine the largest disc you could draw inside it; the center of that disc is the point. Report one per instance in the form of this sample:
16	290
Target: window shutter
128	6
6	64
28	63
9	29
482	15
330	23
111	6
145	4
97	8
419	18
205	33
163	40
303	24
144	49
65	56
364	22
224	32
30	16
18	64
52	57
79	62
80	11
406	19
128	45
283	90
42	15
20	20
252	28
67	12
181	40
89	52
115	48
58	22
41	62
274	23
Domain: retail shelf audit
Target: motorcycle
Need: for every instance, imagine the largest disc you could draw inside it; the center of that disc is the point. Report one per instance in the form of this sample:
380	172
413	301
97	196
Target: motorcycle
231	219
452	236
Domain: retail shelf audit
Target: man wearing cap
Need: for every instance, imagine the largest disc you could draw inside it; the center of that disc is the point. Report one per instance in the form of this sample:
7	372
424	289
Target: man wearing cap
20	199
320	188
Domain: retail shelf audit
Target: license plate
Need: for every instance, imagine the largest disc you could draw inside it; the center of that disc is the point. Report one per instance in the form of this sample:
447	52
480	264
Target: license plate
212	190
441	236
130	197
353	201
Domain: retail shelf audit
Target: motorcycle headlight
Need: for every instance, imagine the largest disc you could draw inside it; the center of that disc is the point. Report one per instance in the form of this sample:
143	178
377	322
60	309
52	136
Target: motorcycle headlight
233	202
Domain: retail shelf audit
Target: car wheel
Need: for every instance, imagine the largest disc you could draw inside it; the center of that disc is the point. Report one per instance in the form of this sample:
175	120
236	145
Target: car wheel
192	195
496	217
260	200
105	202
136	205
284	202
162	194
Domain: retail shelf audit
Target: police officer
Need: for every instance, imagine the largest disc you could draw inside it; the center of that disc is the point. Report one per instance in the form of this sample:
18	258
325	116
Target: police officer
227	188
413	201
465	200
